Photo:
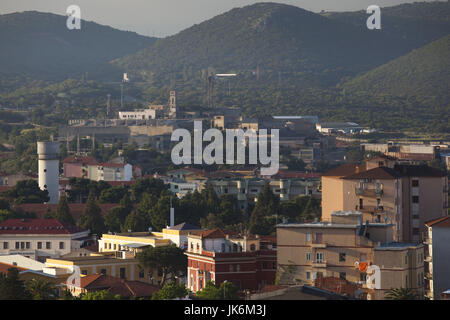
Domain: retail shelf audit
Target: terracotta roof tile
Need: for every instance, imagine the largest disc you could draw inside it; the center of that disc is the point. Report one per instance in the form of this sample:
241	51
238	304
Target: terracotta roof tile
5	266
37	226
440	222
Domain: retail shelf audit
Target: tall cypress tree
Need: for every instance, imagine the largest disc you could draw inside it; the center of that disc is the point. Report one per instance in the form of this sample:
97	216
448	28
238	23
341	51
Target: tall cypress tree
63	211
91	217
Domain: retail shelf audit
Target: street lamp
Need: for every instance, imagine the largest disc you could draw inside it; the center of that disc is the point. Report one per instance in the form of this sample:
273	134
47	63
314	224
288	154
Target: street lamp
224	289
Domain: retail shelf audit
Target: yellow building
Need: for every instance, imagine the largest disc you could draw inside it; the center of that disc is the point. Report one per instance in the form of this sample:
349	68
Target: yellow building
405	195
336	248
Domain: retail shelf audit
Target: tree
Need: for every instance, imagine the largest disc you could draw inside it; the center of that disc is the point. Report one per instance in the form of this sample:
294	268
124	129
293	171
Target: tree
27	191
171	260
160	213
11	287
63	211
226	291
41	289
135	222
171	291
91	218
267	205
401	294
112	195
99	295
152	186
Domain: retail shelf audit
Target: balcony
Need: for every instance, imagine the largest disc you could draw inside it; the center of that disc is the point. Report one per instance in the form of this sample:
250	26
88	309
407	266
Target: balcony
317	244
369	192
319	264
370	209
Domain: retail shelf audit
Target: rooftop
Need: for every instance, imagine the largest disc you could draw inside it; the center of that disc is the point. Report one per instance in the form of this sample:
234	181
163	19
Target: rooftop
397	246
37	226
443	222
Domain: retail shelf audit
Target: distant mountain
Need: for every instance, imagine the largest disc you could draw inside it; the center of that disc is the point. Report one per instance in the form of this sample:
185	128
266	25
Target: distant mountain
39	45
414	24
271	38
423	73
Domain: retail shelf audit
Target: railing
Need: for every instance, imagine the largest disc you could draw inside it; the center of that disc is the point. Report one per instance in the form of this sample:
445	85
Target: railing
370	208
368	192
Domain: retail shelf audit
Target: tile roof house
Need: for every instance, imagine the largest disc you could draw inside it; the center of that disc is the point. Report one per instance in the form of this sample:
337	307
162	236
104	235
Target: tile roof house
39	239
116	286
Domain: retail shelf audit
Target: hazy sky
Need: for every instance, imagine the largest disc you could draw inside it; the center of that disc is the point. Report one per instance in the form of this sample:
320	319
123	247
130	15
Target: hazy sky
166	17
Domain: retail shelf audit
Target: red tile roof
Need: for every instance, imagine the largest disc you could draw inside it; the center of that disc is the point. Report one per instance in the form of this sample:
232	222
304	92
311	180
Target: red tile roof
5	188
37	226
213	234
344	170
5	266
118	286
375	173
76	209
295	174
440	222
80	160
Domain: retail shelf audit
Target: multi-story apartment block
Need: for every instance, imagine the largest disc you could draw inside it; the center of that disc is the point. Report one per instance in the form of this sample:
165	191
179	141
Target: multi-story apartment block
404	195
247	190
248	261
89	168
437	257
346	247
40	238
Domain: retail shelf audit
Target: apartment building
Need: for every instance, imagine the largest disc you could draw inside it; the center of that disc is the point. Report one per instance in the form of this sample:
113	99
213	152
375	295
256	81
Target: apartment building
89	168
247	190
39	239
248	261
404	195
437	257
350	249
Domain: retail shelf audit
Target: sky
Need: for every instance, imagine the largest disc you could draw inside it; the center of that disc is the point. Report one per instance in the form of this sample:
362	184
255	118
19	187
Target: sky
161	18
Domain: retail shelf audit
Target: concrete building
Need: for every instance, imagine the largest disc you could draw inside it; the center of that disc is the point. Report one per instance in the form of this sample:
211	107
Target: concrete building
349	249
405	195
338	127
49	169
11	180
417	152
39	239
248	261
138	114
437	257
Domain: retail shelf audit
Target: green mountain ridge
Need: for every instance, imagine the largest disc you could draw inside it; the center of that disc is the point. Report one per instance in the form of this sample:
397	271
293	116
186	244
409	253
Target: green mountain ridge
39	45
275	38
424	72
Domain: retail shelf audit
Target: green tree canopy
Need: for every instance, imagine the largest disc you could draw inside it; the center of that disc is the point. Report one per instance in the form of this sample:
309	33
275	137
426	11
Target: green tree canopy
91	217
171	291
63	211
170	259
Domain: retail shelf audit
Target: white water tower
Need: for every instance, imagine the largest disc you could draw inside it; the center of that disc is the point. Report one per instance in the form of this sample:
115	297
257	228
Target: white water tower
49	169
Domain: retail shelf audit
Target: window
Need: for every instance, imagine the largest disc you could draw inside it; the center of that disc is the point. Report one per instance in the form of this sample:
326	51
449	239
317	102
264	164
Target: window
5	245
22	245
17	245
39	245
103	271
48	245
28	245
319	257
362	277
415	199
415	183
406	259
141	273
342	275
122	273
416	231
308	275
252	247
308	256
318	238
115	246
406	281
61	245
238	268
308	237
231	268
341	257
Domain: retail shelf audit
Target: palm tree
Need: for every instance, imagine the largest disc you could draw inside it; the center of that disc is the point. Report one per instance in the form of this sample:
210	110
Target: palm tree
41	289
401	294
